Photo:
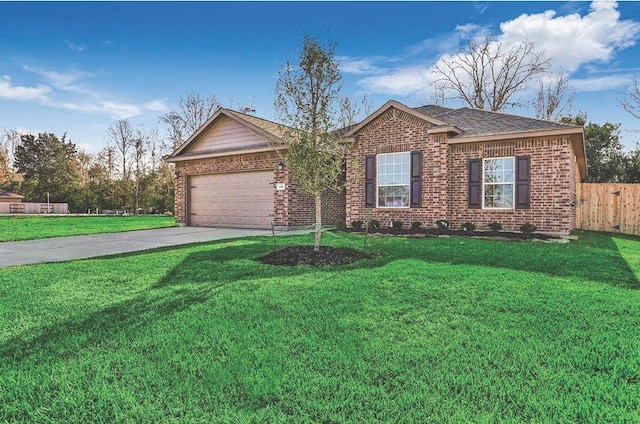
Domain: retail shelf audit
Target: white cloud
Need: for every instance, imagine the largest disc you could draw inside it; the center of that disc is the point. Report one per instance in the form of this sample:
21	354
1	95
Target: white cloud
156	106
73	95
113	109
600	83
75	47
20	92
66	81
573	40
358	66
401	81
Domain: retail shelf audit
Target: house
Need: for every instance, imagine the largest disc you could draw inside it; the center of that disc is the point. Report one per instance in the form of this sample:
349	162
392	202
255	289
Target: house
9	197
229	174
463	165
403	164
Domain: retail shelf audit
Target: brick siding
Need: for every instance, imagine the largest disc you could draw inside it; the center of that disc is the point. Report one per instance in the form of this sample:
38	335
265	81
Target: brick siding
445	177
396	131
552	188
291	209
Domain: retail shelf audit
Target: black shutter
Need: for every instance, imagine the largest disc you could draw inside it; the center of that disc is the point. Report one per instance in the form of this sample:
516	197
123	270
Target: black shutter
370	182
523	182
416	179
475	183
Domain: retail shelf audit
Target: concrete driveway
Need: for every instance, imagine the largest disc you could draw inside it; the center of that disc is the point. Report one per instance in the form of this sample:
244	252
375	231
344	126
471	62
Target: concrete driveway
82	247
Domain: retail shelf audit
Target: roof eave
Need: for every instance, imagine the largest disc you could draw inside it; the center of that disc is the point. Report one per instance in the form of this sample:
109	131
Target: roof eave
215	154
515	135
396	105
211	121
575	134
446	129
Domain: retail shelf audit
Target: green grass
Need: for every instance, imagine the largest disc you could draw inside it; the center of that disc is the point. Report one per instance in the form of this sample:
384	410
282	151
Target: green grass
13	228
429	330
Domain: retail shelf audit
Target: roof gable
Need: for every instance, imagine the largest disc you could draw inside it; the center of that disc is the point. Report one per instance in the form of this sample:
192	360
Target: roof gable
439	126
227	131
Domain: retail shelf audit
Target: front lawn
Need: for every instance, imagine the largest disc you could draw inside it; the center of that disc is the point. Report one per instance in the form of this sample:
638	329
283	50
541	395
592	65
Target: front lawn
13	228
429	330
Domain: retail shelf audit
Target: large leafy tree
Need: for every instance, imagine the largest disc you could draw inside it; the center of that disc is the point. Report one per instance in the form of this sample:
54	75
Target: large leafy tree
309	104
606	161
632	166
48	164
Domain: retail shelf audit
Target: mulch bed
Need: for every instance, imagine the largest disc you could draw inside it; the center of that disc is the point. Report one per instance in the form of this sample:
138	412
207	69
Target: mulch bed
436	232
304	255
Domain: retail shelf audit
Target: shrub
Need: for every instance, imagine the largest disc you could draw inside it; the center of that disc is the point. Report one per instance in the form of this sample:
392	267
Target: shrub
528	228
340	225
495	226
357	225
415	225
468	227
396	225
442	224
374	224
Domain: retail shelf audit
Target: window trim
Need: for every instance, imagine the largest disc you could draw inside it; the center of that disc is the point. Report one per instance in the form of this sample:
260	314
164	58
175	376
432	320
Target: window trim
512	183
408	185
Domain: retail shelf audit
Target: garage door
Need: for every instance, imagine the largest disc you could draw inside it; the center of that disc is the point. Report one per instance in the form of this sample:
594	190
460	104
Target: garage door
243	199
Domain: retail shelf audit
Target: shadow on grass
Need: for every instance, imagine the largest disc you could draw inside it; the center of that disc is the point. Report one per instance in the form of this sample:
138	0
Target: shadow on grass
211	267
593	257
199	277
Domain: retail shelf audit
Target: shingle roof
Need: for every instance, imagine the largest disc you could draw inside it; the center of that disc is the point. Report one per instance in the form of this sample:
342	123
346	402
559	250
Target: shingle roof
7	193
476	122
432	110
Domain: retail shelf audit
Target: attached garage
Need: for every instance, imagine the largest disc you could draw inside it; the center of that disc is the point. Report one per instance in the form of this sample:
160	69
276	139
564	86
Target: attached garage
238	199
231	173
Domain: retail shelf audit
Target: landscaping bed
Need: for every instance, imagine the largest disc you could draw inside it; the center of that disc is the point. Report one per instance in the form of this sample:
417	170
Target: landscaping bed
437	232
305	255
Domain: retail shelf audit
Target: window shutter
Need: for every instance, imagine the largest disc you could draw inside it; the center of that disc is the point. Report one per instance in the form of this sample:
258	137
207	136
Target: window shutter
416	179
369	182
475	183
523	182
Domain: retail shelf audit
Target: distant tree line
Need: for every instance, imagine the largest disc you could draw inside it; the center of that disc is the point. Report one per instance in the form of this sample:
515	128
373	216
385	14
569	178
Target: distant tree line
128	173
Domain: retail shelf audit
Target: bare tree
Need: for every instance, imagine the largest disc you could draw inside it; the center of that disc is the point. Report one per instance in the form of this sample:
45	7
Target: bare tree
9	140
121	135
140	141
631	102
553	98
487	74
192	111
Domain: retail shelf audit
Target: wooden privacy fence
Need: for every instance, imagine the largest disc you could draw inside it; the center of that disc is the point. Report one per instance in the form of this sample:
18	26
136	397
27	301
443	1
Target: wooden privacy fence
608	207
31	208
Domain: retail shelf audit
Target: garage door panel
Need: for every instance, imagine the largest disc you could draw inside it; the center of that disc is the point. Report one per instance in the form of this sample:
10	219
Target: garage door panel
234	199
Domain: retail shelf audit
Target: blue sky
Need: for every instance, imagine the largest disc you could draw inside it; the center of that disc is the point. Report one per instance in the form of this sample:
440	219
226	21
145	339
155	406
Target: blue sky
77	67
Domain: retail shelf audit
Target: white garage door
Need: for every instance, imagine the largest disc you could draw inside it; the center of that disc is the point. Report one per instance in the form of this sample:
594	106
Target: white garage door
243	199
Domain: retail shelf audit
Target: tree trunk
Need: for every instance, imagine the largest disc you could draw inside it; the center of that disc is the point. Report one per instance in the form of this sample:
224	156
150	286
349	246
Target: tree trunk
318	224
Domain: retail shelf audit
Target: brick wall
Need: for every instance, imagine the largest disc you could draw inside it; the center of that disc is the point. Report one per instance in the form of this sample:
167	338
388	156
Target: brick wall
552	185
392	132
291	209
445	177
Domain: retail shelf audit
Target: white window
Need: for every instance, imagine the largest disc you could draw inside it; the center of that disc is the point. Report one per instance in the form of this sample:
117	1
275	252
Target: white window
498	183
393	180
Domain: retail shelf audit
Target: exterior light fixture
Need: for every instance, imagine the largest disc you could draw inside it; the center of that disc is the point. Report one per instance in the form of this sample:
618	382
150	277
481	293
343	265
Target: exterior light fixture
176	174
280	166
